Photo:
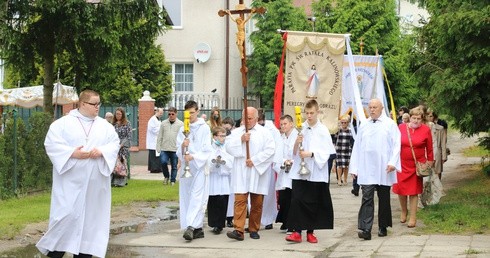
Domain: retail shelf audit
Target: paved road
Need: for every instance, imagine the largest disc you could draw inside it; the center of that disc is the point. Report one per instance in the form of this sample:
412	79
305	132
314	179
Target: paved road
164	238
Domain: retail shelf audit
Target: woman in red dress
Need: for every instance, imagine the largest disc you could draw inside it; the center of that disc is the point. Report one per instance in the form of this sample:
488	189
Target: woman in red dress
409	184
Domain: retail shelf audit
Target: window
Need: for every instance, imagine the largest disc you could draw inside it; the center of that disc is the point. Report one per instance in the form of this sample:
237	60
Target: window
174	11
183	77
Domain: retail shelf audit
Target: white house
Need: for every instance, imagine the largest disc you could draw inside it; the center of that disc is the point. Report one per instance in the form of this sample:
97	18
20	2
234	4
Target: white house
201	48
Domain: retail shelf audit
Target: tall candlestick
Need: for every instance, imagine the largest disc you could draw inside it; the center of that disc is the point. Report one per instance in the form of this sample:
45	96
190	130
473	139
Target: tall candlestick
187	122
297	112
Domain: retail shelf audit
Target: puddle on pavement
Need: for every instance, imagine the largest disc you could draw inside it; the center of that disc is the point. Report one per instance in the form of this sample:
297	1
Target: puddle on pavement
112	250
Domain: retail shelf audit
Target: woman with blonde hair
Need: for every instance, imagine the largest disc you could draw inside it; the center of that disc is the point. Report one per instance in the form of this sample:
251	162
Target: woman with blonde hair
416	138
343	146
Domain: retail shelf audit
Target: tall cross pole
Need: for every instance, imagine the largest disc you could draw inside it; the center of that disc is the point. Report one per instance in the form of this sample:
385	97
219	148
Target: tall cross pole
240	21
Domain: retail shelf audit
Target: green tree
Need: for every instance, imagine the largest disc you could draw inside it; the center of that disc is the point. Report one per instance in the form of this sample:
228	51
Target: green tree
453	62
267	45
375	23
84	40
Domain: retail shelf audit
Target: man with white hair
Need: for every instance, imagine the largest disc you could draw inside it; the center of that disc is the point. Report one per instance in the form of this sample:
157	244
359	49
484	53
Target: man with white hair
250	175
374	162
109	116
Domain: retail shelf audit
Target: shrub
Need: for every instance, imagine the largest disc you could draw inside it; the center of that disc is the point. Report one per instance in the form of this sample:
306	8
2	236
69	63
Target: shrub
22	152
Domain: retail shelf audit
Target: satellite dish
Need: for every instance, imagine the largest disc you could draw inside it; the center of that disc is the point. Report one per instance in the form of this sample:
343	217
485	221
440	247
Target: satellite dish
202	52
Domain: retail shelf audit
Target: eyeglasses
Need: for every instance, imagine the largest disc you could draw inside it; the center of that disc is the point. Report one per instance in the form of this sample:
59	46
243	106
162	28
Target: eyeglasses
93	104
171	114
343	122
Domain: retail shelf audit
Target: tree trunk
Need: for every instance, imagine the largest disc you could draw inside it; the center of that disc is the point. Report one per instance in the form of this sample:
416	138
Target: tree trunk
48	79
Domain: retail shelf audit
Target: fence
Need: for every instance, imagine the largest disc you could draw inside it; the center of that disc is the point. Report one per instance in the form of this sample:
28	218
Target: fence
19	168
131	114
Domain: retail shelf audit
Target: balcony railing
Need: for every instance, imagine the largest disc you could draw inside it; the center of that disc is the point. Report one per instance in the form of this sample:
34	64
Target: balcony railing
207	100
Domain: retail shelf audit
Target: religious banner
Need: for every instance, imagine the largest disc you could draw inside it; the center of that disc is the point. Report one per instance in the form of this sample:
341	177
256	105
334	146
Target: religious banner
313	65
369	82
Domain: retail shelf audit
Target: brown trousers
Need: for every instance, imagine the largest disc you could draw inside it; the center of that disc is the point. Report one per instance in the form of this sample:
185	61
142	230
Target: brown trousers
240	214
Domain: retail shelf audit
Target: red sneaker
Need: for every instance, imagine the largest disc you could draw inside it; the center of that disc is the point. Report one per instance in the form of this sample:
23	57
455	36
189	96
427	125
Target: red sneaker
310	237
294	237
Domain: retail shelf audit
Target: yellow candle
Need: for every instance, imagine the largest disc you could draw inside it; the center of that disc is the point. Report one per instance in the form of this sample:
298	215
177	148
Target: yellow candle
297	112
187	122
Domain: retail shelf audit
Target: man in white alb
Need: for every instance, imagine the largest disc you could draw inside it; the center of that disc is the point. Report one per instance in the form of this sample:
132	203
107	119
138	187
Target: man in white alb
154	164
83	149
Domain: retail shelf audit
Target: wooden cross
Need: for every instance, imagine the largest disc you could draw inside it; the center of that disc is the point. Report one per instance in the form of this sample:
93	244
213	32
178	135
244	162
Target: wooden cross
241	10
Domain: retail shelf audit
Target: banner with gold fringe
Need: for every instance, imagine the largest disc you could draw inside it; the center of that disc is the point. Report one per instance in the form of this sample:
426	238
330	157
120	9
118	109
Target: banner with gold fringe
314	67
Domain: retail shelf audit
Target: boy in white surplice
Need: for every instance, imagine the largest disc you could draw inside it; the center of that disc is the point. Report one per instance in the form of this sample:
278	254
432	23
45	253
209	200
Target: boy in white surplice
220	165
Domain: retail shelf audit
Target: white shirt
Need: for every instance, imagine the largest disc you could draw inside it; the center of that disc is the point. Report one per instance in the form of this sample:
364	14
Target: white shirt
283	179
262	147
219	175
316	139
377	145
152	133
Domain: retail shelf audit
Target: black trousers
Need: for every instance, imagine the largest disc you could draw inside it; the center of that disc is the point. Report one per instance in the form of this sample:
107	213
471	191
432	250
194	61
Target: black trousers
284	201
217	207
154	164
57	254
366	212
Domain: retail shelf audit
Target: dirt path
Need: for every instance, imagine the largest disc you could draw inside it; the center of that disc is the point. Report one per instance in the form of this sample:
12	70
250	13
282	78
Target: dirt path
141	213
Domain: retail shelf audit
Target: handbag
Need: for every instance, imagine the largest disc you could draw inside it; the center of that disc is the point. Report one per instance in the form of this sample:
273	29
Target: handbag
120	168
422	169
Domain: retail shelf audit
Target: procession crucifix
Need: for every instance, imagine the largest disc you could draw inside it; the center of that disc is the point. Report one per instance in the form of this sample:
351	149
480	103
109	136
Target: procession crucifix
240	21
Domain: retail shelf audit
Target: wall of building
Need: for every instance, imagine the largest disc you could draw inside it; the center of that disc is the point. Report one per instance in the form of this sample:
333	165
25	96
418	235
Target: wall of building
201	23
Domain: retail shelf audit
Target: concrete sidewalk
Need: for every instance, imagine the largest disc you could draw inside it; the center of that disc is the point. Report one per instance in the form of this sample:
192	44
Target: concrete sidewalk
164	238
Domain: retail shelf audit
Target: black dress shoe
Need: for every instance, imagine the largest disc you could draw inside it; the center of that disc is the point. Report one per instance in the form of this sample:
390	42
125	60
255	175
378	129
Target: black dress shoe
189	234
217	230
235	235
283	227
382	232
246	230
366	235
198	233
269	226
254	235
354	192
229	224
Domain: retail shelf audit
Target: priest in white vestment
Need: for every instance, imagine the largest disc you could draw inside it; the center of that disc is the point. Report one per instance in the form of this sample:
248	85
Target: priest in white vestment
193	191
83	149
152	130
250	175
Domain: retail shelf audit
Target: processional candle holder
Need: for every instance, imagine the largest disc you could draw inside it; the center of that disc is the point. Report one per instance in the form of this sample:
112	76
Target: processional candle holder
187	131
299	126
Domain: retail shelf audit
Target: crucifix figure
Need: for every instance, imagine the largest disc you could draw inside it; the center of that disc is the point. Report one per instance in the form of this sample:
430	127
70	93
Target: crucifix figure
240	35
241	10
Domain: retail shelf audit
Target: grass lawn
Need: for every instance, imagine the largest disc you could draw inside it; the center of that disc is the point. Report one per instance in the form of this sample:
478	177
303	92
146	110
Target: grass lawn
464	210
16	213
